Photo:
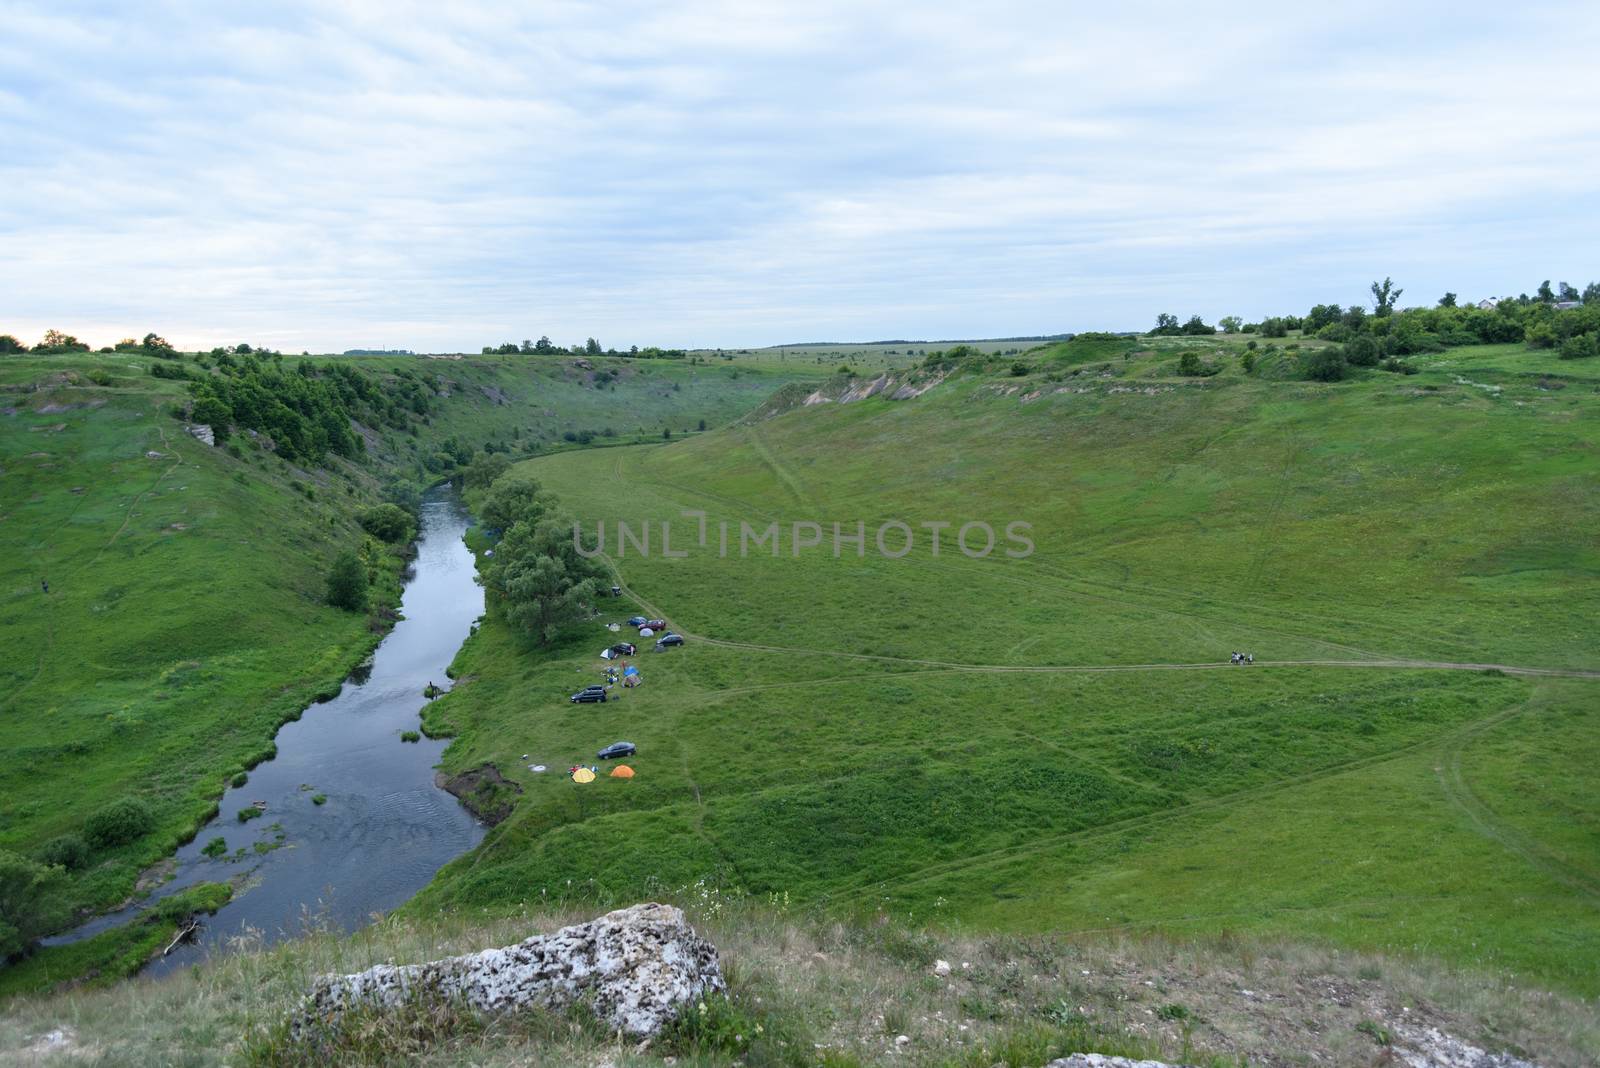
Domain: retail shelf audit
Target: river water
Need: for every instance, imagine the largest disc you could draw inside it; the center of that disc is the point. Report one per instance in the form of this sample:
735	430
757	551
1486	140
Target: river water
385	828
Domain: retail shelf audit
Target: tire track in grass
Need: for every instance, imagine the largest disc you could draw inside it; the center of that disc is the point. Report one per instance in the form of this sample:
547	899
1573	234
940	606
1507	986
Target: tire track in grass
1048	843
1458	791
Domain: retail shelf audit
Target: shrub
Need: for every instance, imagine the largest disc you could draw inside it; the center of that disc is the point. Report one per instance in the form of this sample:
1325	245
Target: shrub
216	847
1580	347
248	813
347	583
30	901
1325	365
67	851
120	822
1540	336
410	736
239	779
1248	360
1362	351
387	522
319	799
1019	369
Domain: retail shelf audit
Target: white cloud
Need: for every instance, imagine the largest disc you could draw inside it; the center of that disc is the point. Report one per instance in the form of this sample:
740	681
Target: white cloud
442	176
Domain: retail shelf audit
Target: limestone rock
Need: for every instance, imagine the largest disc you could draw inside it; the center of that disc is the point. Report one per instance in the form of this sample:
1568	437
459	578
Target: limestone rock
1100	1060
634	967
1428	1047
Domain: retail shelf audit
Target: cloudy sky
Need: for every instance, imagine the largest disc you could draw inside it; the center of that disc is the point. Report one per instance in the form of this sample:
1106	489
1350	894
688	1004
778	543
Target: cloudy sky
440	176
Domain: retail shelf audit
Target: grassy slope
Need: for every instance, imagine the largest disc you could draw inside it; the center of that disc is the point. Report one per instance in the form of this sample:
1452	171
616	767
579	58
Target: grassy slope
185	620
1428	517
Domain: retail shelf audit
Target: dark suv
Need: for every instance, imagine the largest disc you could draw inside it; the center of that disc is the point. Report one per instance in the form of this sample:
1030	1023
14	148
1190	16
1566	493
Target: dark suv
669	640
589	695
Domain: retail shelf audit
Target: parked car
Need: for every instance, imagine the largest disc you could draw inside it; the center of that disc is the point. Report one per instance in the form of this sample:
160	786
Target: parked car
589	695
624	648
655	624
637	621
668	640
617	750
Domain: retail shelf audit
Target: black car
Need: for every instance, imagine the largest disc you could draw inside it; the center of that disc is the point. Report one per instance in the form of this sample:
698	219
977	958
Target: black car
669	639
637	621
589	695
624	648
617	750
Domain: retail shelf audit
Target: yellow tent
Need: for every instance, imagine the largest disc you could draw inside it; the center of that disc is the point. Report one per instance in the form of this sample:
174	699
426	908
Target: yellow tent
622	771
583	775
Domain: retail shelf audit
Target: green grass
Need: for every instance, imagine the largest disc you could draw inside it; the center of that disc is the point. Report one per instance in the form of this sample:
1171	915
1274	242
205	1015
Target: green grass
185	619
114	954
938	738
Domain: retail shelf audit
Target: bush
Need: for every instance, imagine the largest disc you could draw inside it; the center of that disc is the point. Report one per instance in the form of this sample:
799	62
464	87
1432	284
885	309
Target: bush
1019	369
118	823
1325	365
1191	366
1580	347
245	815
319	799
239	779
347	583
217	847
387	522
67	851
1362	351
30	901
1540	336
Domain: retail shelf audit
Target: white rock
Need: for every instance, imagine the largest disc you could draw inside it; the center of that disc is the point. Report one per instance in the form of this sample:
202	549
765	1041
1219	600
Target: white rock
902	1041
941	968
1420	1047
1100	1060
634	967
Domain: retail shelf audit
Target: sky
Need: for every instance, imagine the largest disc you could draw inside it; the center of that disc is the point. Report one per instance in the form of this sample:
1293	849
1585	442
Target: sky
439	177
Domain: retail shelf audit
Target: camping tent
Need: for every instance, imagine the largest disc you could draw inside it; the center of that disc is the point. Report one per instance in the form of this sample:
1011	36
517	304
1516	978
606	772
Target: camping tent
606	654
622	771
646	632
583	775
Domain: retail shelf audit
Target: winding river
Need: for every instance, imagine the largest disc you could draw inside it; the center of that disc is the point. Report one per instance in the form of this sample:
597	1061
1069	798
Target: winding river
384	828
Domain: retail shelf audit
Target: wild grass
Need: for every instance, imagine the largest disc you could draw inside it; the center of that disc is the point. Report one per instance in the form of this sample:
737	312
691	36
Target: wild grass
806	991
938	738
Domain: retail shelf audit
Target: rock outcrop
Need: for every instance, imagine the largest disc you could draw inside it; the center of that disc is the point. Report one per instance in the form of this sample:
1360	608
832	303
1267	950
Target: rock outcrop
633	967
1100	1060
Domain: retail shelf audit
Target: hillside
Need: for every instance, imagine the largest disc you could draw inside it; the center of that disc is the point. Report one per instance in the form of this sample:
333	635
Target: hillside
1058	742
185	617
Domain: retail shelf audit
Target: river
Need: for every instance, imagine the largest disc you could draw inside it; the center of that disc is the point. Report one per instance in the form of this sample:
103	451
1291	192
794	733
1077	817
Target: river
385	828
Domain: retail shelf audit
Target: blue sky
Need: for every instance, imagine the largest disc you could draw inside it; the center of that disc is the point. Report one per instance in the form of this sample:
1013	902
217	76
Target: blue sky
442	176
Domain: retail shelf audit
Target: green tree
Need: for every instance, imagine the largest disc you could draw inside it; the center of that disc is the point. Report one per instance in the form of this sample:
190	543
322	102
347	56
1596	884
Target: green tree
1546	294
10	344
64	851
513	501
1196	325
1384	296
1447	301
1325	365
1231	324
119	823
1363	351
484	469
155	344
1591	295
387	522
591	347
347	583
1166	324
541	578
30	901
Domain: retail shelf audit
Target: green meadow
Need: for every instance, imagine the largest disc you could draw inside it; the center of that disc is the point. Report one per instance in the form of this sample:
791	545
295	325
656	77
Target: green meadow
185	619
1058	742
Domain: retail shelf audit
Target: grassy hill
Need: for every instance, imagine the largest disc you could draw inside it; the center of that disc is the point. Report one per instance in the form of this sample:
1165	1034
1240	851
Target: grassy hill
184	618
1057	742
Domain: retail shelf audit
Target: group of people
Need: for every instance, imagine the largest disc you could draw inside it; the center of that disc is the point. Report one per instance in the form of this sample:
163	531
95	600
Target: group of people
1244	658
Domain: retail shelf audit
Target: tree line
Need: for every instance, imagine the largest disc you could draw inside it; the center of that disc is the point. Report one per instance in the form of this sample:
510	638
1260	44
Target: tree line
545	347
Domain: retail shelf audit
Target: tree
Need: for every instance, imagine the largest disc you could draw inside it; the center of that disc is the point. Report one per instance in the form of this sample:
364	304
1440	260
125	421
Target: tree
156	344
1447	301
512	501
1231	324
1591	295
118	823
1384	296
56	341
1166	324
1546	294
1196	325
1565	292
1325	365
347	583
591	347
9	344
30	901
485	468
1274	327
1363	351
387	522
541	578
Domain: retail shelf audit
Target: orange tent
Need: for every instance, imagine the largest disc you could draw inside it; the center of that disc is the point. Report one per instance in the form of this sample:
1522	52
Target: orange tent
622	771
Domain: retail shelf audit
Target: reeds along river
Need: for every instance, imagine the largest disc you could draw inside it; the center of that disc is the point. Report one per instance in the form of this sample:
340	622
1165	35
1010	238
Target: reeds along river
384	828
